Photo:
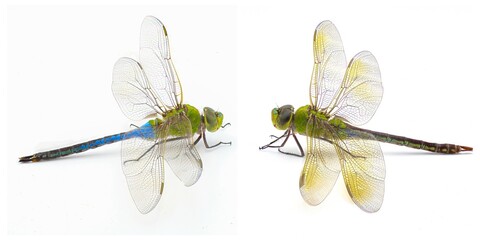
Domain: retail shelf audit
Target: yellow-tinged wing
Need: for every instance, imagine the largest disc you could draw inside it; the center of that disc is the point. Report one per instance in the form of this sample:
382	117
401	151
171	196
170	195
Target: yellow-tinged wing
329	67
361	91
363	170
322	165
352	93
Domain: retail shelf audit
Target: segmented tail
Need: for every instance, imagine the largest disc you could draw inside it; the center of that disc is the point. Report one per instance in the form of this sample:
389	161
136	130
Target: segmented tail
146	131
77	148
445	148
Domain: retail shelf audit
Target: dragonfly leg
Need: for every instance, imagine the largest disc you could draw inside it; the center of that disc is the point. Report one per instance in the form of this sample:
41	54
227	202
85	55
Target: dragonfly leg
226	124
133	125
205	140
198	139
286	135
302	154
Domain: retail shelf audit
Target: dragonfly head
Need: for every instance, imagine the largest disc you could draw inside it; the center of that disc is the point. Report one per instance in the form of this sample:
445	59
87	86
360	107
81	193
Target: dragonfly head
212	119
282	116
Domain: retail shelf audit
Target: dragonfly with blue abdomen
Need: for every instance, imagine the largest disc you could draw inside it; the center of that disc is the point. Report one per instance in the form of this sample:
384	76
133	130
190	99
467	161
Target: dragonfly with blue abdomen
342	97
150	88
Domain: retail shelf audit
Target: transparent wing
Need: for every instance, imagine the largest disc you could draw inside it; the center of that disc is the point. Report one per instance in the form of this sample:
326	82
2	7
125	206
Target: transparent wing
157	63
363	170
181	154
143	168
361	90
329	67
322	164
130	89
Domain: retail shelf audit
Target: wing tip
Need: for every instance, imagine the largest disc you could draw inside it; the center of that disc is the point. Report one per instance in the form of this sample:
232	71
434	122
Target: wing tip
154	20
324	23
309	197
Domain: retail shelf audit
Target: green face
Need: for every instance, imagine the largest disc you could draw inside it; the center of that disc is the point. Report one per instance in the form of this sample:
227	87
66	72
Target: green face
282	117
212	119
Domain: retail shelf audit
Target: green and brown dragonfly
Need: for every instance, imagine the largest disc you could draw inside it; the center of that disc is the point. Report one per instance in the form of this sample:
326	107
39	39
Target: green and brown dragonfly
342	97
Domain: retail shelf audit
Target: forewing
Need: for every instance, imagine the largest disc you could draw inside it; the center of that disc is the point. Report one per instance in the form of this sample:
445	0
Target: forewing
363	170
361	90
179	151
322	166
143	168
130	89
157	63
329	67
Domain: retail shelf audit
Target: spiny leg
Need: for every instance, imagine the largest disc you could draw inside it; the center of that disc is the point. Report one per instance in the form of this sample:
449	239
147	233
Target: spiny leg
274	141
302	154
198	139
205	140
286	135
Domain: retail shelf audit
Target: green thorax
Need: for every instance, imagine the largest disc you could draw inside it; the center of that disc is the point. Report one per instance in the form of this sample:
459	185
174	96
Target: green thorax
305	113
300	119
177	128
194	115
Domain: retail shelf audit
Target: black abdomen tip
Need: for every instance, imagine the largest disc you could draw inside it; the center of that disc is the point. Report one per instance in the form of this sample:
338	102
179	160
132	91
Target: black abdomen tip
465	148
31	158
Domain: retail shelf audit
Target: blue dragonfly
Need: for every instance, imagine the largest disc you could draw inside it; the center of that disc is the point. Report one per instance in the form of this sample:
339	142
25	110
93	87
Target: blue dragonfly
151	89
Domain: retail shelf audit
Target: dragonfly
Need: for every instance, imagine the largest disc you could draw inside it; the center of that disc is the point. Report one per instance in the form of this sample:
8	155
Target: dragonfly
342	98
151	89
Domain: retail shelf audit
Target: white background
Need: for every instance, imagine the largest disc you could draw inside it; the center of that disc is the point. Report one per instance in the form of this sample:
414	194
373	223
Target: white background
243	59
60	66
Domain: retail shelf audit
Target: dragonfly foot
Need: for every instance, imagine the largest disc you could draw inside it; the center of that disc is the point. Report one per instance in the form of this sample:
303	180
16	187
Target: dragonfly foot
229	143
263	147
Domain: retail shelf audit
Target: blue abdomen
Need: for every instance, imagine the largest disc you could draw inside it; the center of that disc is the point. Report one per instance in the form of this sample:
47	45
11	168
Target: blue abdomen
145	131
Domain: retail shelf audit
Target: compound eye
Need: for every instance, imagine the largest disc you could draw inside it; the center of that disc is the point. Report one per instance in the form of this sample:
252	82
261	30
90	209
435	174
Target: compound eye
210	115
284	117
285	114
212	119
